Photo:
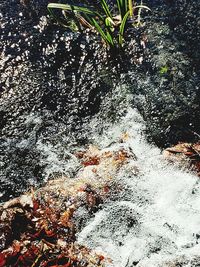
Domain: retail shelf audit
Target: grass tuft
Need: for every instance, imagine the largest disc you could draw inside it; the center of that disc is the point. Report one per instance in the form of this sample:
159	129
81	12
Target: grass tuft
111	27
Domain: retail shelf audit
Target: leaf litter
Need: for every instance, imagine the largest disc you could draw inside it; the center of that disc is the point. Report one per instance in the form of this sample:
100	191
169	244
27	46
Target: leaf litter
38	229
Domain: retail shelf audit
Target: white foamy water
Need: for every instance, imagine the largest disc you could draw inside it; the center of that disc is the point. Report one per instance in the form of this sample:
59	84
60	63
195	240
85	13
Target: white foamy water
156	219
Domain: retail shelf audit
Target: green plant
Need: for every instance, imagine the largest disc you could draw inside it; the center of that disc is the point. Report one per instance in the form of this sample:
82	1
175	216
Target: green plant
111	27
164	70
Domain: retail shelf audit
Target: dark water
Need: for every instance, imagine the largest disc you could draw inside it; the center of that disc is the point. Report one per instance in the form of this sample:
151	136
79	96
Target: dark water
53	82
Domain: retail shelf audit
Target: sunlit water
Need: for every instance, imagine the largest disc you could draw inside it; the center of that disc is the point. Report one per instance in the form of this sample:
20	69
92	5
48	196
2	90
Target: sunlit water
156	220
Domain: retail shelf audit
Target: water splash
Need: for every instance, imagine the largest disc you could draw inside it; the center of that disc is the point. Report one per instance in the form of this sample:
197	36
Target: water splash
156	220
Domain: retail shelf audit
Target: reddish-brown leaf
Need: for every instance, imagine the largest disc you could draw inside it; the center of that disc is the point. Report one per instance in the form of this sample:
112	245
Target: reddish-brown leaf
91	161
2	259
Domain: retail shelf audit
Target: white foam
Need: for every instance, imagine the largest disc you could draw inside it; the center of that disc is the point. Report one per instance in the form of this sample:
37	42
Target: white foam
161	202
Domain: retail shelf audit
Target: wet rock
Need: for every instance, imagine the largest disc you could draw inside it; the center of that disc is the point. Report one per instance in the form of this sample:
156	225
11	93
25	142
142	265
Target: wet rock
166	91
185	154
51	84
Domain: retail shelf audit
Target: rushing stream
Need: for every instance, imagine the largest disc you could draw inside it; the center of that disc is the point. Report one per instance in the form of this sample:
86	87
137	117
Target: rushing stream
59	92
156	219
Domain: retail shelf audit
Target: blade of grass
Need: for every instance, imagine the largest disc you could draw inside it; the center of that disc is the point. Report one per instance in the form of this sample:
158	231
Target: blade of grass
122	28
110	39
143	6
57	19
124	6
106	8
71	7
76	20
119	7
102	33
138	17
84	21
102	23
109	24
130	6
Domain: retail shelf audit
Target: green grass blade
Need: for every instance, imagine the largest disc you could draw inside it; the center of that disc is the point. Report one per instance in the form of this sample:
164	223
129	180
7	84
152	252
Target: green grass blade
99	29
122	27
119	7
106	8
102	33
73	8
130	7
109	24
70	8
110	39
124	6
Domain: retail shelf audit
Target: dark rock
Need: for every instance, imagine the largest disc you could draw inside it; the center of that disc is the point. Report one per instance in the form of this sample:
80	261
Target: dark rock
51	83
167	87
